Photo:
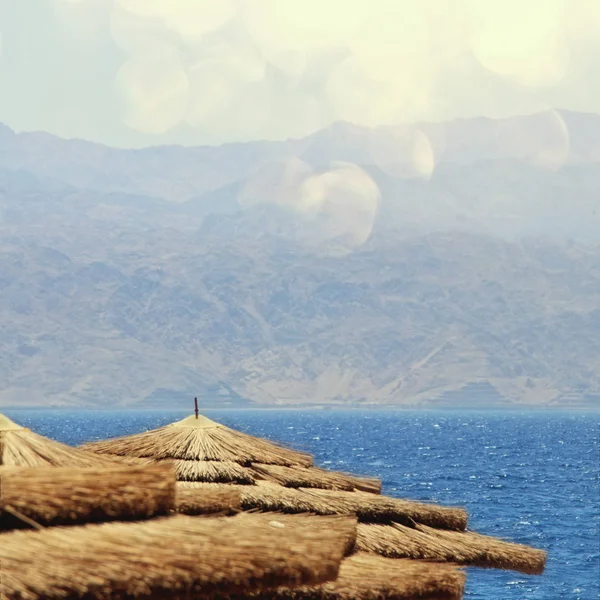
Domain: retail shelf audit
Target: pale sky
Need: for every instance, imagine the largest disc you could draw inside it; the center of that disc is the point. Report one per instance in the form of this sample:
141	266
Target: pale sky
146	72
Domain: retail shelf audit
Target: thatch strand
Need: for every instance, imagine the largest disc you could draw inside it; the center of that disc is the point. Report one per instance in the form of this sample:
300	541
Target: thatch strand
460	547
218	499
172	556
268	496
42	496
368	577
371	508
371	485
313	477
200	439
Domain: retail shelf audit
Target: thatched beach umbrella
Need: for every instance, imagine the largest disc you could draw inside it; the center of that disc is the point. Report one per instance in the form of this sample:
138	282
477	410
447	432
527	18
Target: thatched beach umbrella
21	447
173	557
388	527
41	497
206	451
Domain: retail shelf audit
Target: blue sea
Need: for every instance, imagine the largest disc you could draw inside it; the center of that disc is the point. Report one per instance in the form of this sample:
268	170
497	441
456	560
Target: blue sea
523	476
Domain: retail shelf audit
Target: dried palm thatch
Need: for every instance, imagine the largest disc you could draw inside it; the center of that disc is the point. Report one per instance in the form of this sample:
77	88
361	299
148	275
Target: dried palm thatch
217	499
368	577
268	496
200	439
20	447
209	452
213	471
313	477
370	508
41	496
278	471
403	534
460	547
173	557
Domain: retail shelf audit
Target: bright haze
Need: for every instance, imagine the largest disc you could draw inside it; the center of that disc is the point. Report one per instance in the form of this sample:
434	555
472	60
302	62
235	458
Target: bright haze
283	202
140	72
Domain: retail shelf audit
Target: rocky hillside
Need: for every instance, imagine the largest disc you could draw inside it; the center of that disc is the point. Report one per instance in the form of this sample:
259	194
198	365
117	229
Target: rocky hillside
271	273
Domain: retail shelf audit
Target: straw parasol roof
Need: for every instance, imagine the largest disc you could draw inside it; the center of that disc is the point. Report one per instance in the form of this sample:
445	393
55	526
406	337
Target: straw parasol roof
173	557
388	527
21	447
206	451
35	497
200	439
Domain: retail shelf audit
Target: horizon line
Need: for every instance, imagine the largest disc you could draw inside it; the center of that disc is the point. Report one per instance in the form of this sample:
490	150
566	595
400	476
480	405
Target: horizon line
332	125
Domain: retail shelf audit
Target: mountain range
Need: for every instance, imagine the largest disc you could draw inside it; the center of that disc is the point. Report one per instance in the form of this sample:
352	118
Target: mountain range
425	265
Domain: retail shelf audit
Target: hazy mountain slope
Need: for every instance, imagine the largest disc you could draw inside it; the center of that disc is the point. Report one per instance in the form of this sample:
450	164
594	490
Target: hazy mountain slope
400	321
112	293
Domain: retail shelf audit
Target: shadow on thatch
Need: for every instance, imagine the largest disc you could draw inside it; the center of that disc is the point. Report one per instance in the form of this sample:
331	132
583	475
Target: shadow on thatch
225	471
30	497
173	557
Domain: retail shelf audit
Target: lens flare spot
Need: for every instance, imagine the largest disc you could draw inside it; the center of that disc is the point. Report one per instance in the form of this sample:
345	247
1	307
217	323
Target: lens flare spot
289	35
358	97
132	33
523	41
541	139
276	183
404	152
83	20
315	24
190	19
153	88
228	93
345	202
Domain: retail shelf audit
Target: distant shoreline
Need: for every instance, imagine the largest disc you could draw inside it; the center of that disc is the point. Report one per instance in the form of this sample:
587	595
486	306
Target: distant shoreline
310	408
